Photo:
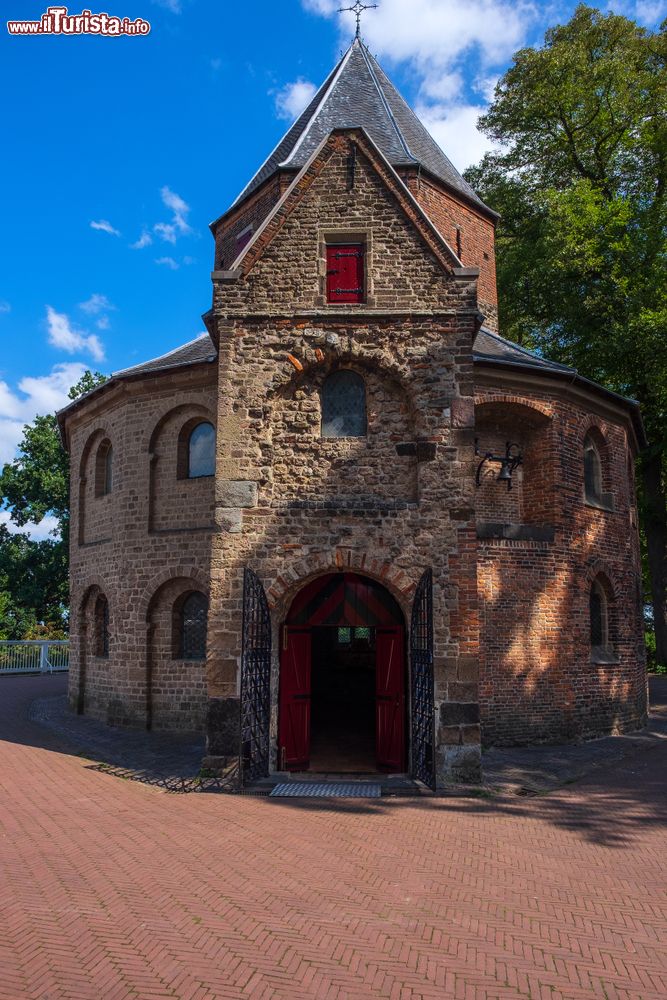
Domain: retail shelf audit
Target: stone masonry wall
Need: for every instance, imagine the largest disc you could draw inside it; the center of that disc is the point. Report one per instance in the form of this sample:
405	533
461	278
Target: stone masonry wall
414	345
141	572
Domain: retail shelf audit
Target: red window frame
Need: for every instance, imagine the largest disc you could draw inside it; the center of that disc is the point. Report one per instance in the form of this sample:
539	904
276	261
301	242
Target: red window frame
346	273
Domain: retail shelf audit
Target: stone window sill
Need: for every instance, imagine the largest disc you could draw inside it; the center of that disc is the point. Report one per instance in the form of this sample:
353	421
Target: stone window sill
604	656
605	502
515	532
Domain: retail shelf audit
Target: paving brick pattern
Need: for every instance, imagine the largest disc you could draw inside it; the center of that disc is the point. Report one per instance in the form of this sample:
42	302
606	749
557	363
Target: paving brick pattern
113	889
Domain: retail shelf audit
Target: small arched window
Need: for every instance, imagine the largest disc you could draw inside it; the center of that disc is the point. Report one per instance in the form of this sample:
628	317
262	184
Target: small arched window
201	451
102	626
104	469
592	471
190	626
600	624
343	405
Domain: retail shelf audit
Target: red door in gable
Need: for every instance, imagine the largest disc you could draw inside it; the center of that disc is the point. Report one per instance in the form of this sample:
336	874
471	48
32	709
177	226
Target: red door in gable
345	273
390	698
294	706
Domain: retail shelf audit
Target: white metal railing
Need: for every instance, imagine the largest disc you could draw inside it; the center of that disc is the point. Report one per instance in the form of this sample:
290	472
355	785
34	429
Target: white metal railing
34	656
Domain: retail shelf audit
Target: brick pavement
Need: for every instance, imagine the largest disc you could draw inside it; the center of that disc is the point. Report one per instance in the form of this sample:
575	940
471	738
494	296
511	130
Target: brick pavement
112	889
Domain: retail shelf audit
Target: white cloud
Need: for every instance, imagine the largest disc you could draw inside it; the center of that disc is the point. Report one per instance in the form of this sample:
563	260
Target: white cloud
454	128
4	306
435	33
36	395
144	240
294	97
96	304
105	226
168	262
65	337
324	7
103	323
179	226
175	6
46	529
651	11
166	230
439	40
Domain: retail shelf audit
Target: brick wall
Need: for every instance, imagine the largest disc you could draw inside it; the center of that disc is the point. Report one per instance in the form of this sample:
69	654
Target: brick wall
477	236
141	571
250	213
539	681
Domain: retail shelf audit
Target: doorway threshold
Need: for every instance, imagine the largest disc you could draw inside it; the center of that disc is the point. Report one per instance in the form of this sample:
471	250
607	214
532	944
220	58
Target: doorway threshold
390	784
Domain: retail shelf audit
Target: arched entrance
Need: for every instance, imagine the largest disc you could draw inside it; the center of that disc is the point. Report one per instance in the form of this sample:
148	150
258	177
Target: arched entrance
343	678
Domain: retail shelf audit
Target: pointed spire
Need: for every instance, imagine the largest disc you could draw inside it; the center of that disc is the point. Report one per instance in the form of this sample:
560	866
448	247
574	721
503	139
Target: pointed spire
358	94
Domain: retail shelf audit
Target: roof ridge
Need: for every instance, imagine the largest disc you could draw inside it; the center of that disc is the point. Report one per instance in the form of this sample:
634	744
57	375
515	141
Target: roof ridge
524	350
401	138
281	140
327	94
160	357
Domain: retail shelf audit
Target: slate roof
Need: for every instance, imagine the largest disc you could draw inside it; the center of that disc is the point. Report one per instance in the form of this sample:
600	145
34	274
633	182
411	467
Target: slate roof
192	353
358	94
492	347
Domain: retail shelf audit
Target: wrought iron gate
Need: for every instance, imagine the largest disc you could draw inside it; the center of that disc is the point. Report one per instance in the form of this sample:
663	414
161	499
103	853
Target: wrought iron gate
422	757
255	680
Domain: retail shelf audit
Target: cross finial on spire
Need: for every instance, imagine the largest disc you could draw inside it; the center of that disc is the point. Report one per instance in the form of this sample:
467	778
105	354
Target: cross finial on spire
357	9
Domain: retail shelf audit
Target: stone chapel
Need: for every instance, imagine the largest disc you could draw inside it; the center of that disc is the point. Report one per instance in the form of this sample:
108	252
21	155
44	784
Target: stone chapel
353	529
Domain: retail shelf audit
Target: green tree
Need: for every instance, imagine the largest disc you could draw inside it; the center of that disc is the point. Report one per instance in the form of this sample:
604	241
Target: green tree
34	575
582	255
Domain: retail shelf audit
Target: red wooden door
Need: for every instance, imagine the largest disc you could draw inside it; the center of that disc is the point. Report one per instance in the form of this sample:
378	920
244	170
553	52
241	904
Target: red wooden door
390	698
294	708
345	273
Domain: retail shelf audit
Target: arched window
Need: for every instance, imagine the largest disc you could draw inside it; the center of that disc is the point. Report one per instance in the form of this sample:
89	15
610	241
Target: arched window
343	405
201	451
190	624
600	628
104	469
101	626
592	471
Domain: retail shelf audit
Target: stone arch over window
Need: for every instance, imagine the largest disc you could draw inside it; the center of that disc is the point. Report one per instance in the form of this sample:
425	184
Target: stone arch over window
93	511
176	692
104	468
89	622
196	449
176	500
596	470
311	468
343	403
601	619
189	626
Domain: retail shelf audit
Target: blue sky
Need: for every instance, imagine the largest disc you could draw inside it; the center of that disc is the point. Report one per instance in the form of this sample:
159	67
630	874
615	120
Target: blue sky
119	152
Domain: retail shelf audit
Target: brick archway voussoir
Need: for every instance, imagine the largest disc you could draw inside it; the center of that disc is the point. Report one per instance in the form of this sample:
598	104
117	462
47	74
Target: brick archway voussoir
282	590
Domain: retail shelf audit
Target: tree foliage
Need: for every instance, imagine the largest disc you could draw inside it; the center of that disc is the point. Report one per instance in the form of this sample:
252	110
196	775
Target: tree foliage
34	575
582	257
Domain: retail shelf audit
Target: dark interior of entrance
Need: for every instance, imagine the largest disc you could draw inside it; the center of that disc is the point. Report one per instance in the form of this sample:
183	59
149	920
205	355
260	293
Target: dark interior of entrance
343	735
